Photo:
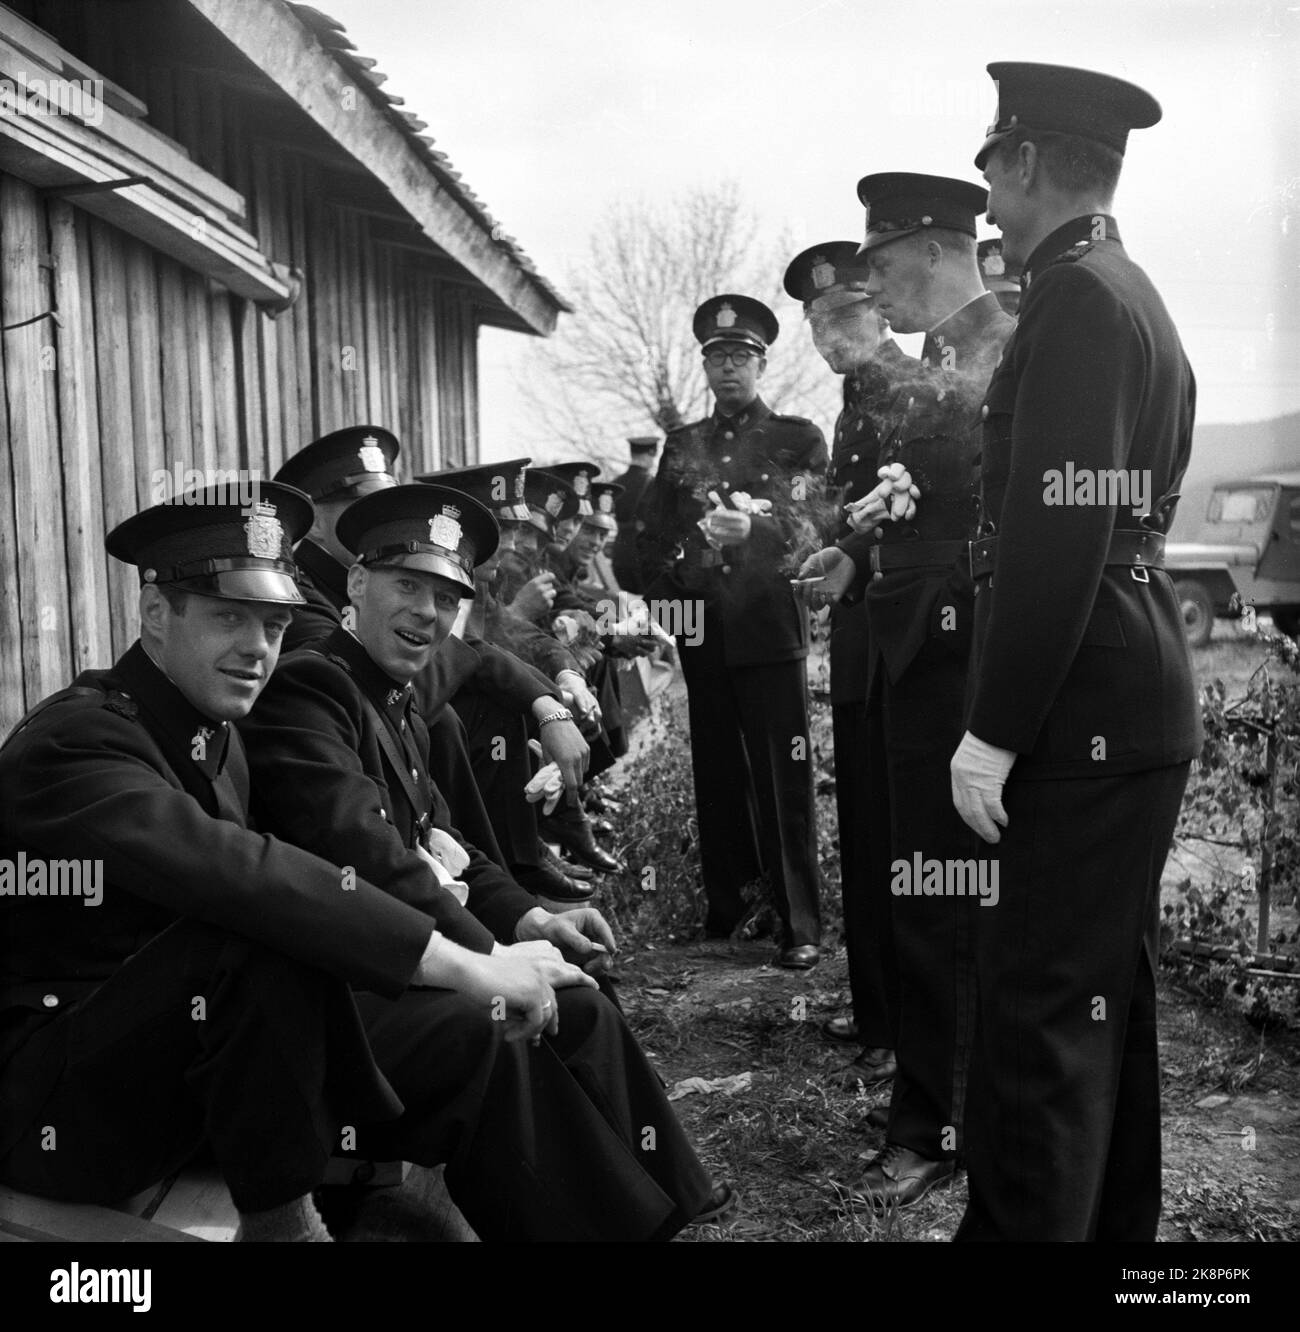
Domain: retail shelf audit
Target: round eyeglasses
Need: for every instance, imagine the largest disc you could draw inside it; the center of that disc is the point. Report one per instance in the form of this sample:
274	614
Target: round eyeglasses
741	356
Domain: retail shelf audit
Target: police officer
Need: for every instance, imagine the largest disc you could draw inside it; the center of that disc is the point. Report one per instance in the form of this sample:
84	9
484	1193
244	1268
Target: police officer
1082	716
339	758
831	280
751	475
642	450
909	550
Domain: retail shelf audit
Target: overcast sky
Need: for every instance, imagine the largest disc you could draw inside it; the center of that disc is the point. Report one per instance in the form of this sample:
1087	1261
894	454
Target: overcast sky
554	109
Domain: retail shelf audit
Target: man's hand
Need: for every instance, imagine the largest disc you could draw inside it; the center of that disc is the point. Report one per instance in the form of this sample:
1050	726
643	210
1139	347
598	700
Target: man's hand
726	527
894	498
583	936
563	745
584	704
633	645
836	573
979	772
517	988
536	597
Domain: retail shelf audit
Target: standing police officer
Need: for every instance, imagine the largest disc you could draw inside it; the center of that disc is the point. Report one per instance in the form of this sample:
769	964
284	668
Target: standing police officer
909	550
1082	716
746	679
831	281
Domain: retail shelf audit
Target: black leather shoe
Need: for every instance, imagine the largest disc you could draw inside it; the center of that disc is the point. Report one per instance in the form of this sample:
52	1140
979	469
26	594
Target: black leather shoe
873	1065
841	1029
899	1177
575	837
799	957
550	883
721	1203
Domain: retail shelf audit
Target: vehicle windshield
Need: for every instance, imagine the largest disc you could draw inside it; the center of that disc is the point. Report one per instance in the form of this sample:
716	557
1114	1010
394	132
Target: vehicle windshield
1251	505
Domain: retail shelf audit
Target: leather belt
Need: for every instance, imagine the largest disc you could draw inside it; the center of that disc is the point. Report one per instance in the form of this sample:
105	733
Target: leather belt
1135	548
916	555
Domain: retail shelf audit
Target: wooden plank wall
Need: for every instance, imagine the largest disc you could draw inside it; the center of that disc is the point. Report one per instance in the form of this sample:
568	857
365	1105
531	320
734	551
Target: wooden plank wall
151	367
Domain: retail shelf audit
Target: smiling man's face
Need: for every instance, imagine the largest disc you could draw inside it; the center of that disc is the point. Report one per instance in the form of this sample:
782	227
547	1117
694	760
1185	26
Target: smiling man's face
218	653
402	615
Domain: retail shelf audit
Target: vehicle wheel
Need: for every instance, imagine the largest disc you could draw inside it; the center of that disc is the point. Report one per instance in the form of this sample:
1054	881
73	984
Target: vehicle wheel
1287	620
1198	611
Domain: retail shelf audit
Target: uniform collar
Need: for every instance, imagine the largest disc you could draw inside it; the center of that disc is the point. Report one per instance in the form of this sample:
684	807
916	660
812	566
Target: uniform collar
206	741
325	571
964	321
757	412
390	696
1078	230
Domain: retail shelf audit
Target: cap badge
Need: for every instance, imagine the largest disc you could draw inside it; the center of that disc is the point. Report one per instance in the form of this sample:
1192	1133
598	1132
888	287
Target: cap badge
605	502
581	483
519	484
554	503
726	316
444	530
372	456
394	697
264	533
823	273
994	265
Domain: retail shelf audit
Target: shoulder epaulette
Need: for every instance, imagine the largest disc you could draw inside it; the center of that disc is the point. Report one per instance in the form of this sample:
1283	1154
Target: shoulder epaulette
794	420
122	704
1073	254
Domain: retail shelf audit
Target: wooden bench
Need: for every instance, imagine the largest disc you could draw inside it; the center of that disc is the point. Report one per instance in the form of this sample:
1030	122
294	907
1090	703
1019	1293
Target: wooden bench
194	1205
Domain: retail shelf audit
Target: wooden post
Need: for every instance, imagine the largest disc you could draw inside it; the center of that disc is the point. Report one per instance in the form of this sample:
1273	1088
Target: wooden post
92	642
31	402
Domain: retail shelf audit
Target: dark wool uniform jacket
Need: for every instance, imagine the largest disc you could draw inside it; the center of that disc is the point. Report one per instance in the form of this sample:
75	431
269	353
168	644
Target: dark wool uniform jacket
933	432
1071	655
767	456
855	459
322	780
111	774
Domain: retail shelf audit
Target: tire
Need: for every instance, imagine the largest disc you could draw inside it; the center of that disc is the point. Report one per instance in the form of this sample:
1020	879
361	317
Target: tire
1198	611
1286	619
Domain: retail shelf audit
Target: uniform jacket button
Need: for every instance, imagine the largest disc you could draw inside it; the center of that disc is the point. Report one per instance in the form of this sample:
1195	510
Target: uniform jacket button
853	457
876	577
728	434
50	1000
726	457
984	412
879	533
726	568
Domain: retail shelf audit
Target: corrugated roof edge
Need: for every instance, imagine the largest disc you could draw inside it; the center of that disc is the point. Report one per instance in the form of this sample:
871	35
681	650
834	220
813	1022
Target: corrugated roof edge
332	36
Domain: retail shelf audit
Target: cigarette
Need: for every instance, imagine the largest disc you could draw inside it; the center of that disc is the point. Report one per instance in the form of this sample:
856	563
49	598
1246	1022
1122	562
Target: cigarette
803	582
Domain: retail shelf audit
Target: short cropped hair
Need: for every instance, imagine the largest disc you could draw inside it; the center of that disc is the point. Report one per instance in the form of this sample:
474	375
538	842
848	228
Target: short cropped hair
1073	164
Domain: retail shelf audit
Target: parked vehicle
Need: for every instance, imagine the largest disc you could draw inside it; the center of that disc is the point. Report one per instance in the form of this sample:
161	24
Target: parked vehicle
1247	553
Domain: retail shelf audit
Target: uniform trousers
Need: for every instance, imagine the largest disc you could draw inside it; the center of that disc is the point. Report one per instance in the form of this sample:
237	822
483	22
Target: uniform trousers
1064	1140
571	1140
914	726
751	756
864	860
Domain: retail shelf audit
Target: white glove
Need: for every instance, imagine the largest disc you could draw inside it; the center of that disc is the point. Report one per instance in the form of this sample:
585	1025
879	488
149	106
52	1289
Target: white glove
979	772
546	784
441	869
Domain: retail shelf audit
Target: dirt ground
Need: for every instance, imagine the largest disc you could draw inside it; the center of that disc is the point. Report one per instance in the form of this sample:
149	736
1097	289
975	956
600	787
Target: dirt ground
739	1041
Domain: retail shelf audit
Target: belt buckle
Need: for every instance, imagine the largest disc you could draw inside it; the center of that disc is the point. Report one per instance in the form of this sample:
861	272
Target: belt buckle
1139	569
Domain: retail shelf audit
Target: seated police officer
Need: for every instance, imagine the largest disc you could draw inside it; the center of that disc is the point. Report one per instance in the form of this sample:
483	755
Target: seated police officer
339	756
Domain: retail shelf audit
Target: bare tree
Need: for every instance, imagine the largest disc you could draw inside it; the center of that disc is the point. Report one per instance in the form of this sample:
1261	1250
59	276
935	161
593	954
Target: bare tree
627	363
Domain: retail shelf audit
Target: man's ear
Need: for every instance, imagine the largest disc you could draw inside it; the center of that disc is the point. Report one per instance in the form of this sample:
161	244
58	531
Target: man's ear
762	365
1028	165
357	578
154	612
